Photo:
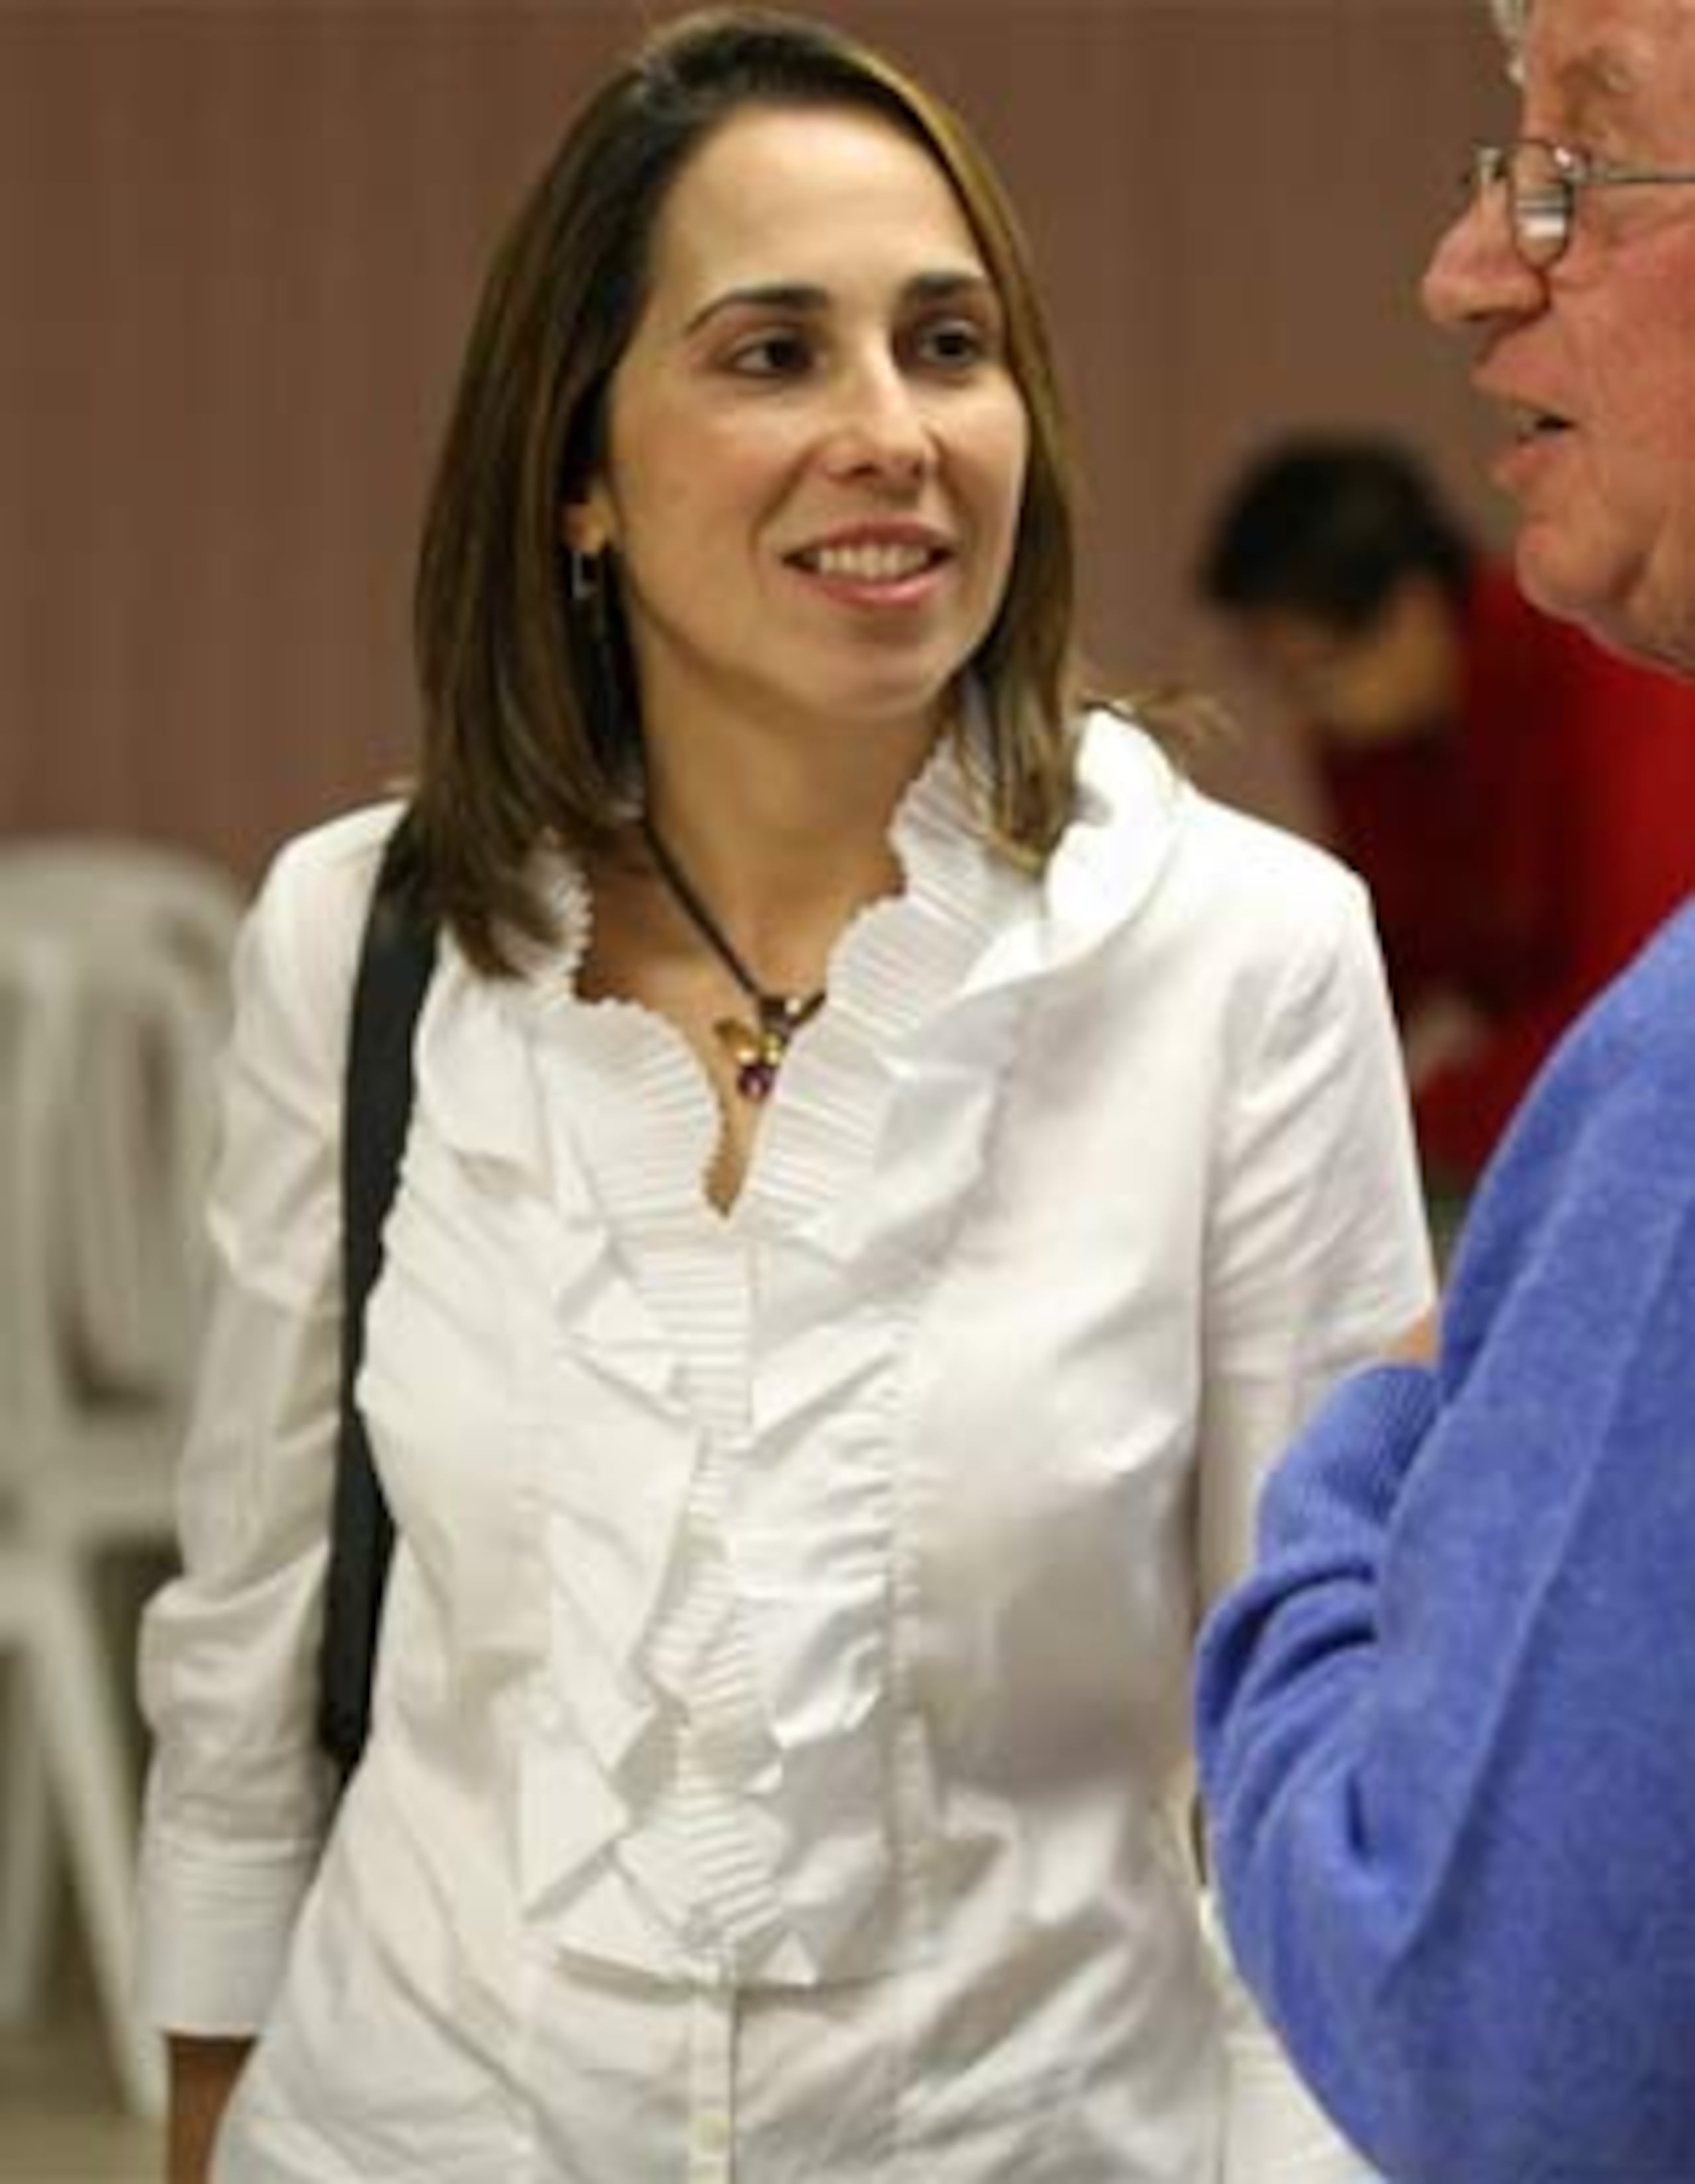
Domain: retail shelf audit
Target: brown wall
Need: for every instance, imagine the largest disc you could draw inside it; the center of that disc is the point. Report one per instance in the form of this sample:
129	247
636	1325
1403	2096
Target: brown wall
239	243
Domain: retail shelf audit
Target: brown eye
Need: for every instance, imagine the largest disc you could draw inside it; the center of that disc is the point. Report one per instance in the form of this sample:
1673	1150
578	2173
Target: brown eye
952	344
782	354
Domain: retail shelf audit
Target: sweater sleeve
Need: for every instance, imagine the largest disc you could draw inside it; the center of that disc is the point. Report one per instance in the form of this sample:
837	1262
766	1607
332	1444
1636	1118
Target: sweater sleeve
1448	1728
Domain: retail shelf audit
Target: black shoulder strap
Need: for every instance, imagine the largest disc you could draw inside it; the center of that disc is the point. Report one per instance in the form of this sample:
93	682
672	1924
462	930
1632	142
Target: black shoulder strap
396	957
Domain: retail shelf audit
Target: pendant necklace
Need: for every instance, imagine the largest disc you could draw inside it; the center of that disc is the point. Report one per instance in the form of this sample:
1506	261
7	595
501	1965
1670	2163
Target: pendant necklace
758	1050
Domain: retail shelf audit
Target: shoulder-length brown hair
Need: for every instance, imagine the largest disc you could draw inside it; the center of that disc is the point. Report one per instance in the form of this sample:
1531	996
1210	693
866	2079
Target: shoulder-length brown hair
531	720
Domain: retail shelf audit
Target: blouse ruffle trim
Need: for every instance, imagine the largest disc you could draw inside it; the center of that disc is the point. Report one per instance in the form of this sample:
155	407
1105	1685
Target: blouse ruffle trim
721	1775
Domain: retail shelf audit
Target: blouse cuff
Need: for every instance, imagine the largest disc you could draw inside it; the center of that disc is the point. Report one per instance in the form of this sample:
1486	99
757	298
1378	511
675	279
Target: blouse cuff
214	1932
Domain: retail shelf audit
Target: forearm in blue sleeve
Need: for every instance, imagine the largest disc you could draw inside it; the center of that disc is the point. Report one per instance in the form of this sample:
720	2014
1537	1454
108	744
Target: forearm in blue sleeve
1448	1727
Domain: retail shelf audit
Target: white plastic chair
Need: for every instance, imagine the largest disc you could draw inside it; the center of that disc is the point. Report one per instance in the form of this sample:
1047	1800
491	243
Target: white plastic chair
112	979
152	929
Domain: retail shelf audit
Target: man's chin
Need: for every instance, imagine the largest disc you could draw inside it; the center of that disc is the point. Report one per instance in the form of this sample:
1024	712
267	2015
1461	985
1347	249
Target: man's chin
1642	621
1555	580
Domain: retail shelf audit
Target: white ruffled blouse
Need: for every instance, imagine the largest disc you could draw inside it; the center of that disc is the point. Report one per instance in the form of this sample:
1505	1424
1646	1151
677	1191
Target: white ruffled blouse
793	1602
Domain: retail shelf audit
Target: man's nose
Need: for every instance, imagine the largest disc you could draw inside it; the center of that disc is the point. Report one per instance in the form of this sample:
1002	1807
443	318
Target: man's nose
1475	271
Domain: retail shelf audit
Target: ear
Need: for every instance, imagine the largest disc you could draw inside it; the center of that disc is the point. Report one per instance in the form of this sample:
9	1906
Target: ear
586	526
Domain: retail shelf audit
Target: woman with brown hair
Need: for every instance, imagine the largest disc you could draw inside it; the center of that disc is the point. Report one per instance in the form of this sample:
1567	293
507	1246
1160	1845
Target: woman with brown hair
889	1161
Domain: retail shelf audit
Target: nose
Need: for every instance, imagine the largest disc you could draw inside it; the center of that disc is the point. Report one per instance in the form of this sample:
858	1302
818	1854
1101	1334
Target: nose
881	429
1475	273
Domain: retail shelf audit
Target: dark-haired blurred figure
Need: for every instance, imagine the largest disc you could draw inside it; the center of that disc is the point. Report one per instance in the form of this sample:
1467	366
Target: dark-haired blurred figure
1473	758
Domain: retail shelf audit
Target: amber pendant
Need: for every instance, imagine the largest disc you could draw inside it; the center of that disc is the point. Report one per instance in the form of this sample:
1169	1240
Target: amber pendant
757	1051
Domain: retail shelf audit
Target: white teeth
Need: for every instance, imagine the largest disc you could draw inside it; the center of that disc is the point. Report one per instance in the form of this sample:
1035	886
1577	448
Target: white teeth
870	562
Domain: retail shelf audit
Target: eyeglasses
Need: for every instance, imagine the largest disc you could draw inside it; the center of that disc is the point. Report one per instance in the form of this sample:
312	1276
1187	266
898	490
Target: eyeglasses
1542	181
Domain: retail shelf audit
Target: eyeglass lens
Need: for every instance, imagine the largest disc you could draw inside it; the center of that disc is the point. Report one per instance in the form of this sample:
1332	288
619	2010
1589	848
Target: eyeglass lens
1539	196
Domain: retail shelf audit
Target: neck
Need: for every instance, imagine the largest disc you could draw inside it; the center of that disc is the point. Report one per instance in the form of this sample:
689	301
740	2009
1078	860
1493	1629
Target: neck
784	837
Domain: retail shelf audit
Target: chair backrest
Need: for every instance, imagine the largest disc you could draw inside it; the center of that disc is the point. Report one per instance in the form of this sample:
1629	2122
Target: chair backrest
168	899
38	1006
141	939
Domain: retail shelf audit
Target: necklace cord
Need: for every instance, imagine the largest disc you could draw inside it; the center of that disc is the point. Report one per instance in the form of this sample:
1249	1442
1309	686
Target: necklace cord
704	923
793	1009
756	1053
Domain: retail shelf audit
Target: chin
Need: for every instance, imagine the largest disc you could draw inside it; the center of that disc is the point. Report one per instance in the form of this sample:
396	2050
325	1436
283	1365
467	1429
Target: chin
1626	601
1563	582
1659	633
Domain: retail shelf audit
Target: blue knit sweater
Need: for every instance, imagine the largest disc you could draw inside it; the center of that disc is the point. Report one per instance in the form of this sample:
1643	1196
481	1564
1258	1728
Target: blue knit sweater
1448	1728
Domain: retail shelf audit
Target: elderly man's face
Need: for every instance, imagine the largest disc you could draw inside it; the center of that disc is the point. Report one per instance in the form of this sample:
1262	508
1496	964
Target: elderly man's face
1593	358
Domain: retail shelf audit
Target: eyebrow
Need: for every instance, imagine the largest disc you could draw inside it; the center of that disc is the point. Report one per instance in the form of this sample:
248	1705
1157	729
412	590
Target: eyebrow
809	298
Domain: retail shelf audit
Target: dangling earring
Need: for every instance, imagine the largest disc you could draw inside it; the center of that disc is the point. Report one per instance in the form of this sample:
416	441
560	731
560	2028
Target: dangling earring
584	577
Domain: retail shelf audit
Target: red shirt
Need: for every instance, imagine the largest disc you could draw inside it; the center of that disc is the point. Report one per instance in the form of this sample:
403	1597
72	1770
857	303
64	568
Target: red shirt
1520	859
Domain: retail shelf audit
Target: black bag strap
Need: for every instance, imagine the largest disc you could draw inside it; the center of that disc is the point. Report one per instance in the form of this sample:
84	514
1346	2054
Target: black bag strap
395	959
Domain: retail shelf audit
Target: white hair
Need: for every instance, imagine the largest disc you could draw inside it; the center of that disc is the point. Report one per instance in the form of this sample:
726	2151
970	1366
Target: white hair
1512	19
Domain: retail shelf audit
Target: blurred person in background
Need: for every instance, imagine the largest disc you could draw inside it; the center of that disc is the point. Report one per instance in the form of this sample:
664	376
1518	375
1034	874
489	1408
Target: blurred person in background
1471	761
889	1161
1447	1728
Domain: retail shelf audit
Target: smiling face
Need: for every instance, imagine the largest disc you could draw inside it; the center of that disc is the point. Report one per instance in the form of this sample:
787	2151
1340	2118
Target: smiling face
1594	359
815	449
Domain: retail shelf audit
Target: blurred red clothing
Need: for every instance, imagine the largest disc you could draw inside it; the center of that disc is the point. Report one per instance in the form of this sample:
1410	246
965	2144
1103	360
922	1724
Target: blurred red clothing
1520	857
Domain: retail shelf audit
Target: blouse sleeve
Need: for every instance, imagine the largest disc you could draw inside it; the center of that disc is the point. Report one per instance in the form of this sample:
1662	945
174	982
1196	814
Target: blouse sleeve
1317	1250
238	1795
1318	1255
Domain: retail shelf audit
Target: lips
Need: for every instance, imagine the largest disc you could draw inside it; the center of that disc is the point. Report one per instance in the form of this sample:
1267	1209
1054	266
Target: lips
1529	423
872	558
